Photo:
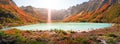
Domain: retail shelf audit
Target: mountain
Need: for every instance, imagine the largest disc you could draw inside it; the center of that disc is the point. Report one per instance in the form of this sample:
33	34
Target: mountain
56	14
107	11
33	12
10	14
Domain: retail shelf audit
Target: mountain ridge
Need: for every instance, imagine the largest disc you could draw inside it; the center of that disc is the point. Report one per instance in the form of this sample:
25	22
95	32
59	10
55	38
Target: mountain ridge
92	13
11	14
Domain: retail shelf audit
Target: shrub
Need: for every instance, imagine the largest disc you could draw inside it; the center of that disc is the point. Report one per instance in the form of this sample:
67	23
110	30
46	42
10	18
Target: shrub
7	39
111	41
72	31
82	40
112	35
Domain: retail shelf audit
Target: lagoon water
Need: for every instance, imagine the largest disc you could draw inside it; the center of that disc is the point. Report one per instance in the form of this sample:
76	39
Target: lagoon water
64	26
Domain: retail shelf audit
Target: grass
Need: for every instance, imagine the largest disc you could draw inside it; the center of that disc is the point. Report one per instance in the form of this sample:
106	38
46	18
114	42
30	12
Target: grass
15	36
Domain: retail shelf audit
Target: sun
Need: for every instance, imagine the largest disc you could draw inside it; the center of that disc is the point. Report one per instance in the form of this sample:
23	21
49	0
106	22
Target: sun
52	4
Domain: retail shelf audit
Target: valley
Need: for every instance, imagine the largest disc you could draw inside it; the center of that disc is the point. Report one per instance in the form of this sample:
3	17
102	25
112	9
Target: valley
89	22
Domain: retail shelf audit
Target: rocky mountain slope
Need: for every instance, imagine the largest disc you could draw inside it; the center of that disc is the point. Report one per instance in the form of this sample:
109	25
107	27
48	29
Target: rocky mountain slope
11	14
95	11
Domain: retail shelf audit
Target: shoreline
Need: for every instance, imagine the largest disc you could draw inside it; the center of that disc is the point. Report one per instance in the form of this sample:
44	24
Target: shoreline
61	36
87	29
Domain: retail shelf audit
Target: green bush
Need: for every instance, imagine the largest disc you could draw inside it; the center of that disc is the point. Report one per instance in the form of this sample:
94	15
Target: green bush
7	39
17	38
112	35
111	41
82	40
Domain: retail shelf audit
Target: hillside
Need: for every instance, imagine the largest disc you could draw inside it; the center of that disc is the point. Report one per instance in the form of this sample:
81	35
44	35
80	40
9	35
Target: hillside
32	12
96	11
10	14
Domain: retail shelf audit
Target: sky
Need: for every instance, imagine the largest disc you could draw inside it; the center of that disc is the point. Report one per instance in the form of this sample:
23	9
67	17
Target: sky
52	4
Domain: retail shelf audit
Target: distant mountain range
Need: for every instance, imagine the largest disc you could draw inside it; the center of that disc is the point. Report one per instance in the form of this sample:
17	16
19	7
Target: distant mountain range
56	14
91	11
107	11
33	12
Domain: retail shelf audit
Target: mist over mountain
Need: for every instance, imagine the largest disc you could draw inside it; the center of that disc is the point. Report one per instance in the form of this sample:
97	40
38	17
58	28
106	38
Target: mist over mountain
56	14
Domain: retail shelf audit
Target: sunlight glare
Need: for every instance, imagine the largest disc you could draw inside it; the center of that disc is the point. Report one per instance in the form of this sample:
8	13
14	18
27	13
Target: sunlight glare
51	4
49	16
